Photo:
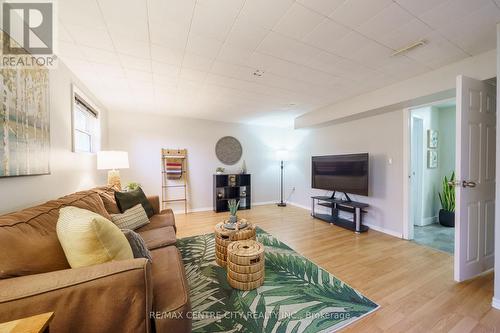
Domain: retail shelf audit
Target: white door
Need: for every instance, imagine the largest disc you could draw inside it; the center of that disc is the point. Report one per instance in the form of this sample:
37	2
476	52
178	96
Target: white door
417	164
475	191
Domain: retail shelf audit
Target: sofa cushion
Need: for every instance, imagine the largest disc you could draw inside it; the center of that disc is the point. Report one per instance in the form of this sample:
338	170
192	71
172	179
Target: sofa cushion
166	219
30	234
171	291
156	238
89	239
107	194
126	200
132	218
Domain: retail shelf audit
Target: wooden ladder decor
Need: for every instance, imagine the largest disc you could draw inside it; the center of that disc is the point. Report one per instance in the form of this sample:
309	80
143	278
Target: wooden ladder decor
174	176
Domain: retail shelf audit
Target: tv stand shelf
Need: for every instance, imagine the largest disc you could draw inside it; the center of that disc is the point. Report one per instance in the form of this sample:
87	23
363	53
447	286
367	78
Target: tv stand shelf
357	209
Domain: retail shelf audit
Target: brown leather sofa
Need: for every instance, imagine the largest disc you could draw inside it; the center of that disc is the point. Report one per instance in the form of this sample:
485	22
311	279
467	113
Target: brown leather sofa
120	296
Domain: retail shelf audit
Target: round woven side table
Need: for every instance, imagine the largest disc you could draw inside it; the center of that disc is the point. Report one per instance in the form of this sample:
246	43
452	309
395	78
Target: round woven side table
245	264
224	237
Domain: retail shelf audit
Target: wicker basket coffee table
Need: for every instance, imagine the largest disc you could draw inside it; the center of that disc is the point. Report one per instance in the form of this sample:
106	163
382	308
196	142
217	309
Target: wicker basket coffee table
224	237
245	264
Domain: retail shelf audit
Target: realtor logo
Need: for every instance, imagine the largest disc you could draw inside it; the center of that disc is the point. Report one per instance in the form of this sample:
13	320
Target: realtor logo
28	28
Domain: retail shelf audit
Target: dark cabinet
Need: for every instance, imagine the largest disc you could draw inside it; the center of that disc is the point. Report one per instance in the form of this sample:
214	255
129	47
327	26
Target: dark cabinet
227	187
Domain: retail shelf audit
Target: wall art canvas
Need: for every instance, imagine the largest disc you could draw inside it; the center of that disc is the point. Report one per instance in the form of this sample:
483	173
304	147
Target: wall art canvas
432	159
432	138
24	122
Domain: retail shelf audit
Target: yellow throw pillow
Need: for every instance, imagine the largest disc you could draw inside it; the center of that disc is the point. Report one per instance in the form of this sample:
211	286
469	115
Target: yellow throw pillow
89	239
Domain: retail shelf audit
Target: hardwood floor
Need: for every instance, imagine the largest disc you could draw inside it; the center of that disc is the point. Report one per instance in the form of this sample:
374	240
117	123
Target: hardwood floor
413	284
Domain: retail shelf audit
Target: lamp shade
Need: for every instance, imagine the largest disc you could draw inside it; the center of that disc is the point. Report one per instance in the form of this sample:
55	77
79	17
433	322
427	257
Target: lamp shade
112	159
282	155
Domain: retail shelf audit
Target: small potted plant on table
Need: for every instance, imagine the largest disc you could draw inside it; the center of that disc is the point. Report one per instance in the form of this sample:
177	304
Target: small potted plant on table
447	198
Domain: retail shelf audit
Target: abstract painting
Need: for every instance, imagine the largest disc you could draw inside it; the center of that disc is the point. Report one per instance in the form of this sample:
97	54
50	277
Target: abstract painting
24	122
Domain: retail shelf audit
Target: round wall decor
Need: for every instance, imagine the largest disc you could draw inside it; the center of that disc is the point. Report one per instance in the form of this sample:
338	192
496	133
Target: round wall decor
228	150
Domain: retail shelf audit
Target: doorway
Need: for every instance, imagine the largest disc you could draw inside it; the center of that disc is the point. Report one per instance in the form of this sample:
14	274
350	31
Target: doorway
432	165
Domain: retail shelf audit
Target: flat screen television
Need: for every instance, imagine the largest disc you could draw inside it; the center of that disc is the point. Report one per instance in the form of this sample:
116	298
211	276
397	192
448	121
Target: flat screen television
341	173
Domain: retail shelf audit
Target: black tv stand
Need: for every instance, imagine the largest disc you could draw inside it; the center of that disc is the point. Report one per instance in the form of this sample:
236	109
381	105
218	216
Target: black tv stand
347	199
337	205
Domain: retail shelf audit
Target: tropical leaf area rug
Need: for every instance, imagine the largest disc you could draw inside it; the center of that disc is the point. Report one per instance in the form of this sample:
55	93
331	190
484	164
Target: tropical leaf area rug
297	295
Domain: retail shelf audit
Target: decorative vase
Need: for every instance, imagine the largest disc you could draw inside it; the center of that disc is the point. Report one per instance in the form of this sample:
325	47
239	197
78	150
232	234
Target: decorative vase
447	218
233	219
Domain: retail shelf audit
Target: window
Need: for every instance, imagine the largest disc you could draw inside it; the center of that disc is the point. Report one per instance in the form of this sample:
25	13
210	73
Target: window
86	133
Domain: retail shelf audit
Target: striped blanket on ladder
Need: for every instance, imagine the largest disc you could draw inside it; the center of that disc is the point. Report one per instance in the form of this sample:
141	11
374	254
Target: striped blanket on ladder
173	170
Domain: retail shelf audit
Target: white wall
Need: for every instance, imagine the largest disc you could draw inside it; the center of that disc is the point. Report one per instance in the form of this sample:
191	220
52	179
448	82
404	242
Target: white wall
69	171
381	136
143	136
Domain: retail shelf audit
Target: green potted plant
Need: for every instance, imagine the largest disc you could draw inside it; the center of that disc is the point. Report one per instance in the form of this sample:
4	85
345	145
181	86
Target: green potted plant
447	198
132	186
233	210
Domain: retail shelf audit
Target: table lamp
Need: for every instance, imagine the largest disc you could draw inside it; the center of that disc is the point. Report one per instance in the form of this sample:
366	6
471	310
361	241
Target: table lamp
282	156
112	160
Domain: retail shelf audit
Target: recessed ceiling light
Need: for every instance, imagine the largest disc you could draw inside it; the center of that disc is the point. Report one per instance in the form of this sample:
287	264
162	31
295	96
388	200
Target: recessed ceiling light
410	47
258	73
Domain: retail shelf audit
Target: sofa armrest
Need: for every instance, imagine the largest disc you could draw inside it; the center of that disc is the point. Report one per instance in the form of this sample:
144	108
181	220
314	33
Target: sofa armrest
111	297
154	200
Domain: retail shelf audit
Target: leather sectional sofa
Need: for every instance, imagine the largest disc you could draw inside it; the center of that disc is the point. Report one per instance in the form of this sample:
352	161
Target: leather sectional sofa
119	296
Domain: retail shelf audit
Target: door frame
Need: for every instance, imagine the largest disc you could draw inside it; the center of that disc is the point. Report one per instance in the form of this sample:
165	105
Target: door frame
407	197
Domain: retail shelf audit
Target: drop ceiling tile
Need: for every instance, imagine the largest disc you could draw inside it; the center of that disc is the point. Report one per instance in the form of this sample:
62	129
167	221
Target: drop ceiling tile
203	46
169	21
402	68
139	76
196	62
298	21
372	54
100	56
389	19
325	7
92	37
134	63
165	69
192	75
70	50
325	62
451	11
404	35
353	13
326	34
286	48
163	80
418	7
260	13
131	47
246	35
63	34
235	55
83	13
130	20
168	55
214	18
111	70
348	44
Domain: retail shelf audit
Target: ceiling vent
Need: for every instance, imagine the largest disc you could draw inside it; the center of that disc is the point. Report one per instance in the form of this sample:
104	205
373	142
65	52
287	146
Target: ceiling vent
410	47
258	73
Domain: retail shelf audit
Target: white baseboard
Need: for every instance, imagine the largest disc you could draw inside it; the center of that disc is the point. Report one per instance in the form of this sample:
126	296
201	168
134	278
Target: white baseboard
495	302
384	230
299	205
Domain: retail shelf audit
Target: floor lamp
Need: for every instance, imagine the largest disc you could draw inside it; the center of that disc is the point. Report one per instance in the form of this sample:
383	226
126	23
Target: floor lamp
282	156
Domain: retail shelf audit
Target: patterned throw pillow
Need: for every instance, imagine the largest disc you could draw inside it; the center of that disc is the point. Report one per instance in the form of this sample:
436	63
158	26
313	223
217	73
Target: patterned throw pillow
132	218
138	245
